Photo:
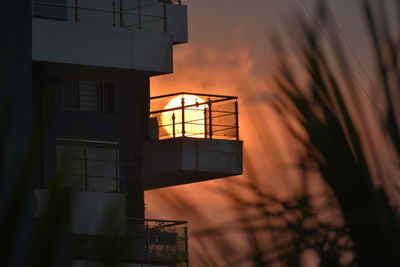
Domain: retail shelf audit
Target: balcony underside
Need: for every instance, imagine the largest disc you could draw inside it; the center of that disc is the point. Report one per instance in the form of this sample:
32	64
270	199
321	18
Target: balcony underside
181	161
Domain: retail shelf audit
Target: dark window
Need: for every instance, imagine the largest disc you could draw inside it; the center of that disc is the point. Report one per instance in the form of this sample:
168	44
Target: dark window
91	96
87	166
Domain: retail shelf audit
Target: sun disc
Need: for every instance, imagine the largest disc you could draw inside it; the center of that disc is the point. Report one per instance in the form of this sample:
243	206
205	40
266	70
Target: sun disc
194	116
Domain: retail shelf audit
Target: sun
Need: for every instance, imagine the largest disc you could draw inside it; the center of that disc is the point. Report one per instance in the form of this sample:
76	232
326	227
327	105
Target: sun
194	116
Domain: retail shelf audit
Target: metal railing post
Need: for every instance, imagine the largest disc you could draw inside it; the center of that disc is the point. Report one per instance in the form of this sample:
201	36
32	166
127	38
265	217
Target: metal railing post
165	15
186	246
173	124
210	118
117	170
183	116
113	7
140	14
237	119
86	169
121	16
147	243
76	11
205	123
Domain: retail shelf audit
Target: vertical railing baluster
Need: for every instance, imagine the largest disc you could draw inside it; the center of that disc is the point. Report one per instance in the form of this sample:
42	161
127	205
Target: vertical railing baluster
173	124
86	169
121	16
140	14
210	119
76	11
183	116
237	119
147	243
186	246
117	170
205	123
165	15
113	9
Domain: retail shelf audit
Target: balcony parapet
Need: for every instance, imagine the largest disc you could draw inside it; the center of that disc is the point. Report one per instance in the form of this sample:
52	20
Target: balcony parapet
95	47
192	138
147	241
140	15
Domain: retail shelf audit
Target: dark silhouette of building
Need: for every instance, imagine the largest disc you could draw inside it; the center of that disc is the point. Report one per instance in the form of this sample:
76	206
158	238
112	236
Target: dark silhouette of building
76	76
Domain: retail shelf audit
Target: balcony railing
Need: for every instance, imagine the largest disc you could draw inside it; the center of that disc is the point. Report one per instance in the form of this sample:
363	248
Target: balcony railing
194	115
156	241
149	15
147	241
88	166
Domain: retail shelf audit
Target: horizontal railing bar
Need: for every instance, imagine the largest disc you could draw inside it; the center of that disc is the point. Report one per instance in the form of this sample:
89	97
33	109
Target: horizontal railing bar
216	125
194	134
190	122
87	141
100	246
188	106
95	9
224	125
156	220
88	159
220	116
222	111
195	123
141	23
224	129
89	176
143	15
202	119
198	94
146	5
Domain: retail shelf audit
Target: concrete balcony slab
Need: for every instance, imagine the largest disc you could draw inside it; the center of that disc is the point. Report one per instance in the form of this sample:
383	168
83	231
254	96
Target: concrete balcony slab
185	160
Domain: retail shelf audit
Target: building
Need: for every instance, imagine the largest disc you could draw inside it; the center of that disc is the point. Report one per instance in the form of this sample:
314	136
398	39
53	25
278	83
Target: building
75	79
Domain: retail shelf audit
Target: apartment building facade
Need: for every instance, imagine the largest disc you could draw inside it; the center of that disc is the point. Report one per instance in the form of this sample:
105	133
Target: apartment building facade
76	79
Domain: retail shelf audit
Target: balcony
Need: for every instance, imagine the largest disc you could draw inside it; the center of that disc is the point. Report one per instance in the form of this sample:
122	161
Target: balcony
193	138
150	242
98	227
109	33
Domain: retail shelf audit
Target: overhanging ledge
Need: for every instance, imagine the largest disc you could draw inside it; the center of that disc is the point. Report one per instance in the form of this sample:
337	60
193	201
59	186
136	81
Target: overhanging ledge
184	160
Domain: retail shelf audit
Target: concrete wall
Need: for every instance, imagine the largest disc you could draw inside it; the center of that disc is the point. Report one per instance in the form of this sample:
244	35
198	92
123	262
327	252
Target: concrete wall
187	160
177	23
127	125
91	213
98	213
92	45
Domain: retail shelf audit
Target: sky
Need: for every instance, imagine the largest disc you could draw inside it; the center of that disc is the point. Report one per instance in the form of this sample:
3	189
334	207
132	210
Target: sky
229	52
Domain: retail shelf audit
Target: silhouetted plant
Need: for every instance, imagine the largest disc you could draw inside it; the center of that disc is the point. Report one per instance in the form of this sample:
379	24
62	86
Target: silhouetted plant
334	144
321	109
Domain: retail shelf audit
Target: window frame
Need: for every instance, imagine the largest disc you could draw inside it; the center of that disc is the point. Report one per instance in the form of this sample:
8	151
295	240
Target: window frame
86	96
85	177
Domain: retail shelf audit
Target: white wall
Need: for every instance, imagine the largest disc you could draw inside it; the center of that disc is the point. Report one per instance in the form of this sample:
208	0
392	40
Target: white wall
95	213
177	23
179	161
91	213
57	41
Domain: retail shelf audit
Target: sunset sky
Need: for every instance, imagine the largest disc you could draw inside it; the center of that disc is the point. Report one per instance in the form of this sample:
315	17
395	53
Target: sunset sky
229	53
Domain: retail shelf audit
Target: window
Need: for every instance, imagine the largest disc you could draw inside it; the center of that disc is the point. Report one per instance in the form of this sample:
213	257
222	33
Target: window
90	96
88	166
